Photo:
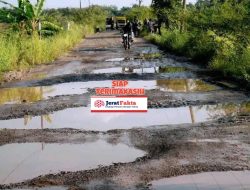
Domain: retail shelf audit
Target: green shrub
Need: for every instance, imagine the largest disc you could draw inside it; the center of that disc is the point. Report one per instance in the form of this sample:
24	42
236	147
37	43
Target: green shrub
18	51
201	47
233	64
8	54
220	53
171	40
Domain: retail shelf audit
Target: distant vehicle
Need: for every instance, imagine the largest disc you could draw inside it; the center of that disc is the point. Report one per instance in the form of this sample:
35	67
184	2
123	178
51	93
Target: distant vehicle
120	22
108	23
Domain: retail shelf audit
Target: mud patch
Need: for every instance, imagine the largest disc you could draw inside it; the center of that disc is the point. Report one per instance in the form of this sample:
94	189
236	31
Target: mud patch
44	188
20	162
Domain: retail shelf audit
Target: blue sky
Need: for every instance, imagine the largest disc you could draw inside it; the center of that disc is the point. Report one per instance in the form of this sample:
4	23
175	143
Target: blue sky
75	3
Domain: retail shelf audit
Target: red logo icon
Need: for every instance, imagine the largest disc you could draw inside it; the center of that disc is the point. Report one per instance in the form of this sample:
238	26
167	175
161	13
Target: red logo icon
99	103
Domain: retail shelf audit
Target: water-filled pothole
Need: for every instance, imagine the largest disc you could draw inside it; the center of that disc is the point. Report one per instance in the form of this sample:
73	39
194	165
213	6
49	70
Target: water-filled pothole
33	94
20	162
140	70
119	59
127	70
82	118
232	180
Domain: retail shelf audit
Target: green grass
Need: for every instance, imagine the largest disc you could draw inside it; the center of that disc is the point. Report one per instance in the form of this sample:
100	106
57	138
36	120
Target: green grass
19	52
150	55
232	64
170	40
218	52
172	69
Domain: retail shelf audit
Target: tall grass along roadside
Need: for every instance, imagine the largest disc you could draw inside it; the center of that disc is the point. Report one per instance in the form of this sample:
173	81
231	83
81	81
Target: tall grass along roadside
220	53
60	30
18	52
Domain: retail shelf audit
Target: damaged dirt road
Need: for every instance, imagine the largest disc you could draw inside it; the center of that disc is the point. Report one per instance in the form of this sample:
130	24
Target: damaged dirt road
196	134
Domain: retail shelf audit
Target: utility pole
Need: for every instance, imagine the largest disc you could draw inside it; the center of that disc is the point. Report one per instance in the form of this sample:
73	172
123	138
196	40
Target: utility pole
140	2
184	7
184	4
80	4
89	3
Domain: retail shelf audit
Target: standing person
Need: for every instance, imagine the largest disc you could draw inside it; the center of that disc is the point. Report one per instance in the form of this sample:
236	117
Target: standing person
159	25
151	26
145	25
155	25
112	23
136	28
139	28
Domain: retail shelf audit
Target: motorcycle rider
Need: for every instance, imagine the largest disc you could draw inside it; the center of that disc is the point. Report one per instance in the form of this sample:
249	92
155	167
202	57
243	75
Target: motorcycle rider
128	29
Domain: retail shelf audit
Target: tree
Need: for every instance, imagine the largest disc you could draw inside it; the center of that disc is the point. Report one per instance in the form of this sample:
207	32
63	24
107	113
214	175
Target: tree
26	15
167	10
140	13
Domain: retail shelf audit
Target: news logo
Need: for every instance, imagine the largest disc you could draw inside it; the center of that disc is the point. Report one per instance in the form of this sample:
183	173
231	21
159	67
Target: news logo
99	103
119	104
119	98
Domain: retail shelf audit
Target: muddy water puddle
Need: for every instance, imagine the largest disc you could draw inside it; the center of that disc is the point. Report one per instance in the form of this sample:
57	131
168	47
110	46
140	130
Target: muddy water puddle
82	118
33	94
20	162
127	69
232	180
118	59
139	70
139	61
185	85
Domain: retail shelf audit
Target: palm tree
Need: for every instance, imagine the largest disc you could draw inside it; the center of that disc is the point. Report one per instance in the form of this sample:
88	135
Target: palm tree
25	14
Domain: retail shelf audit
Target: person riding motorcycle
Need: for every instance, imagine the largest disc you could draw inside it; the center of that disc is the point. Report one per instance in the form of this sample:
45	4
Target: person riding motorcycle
128	29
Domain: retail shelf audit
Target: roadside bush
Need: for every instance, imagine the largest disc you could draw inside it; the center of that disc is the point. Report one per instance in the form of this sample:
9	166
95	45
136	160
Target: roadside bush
176	41
233	64
18	52
171	40
8	54
141	13
201	47
218	52
94	16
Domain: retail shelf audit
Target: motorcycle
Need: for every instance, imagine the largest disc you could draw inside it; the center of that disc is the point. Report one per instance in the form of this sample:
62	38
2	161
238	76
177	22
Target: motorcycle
127	40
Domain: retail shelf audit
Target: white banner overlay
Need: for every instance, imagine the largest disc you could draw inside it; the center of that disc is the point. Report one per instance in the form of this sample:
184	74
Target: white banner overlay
119	104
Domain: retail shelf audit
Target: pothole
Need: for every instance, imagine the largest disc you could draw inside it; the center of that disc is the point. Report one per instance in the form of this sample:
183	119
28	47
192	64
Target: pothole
140	70
82	118
232	180
20	162
33	94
